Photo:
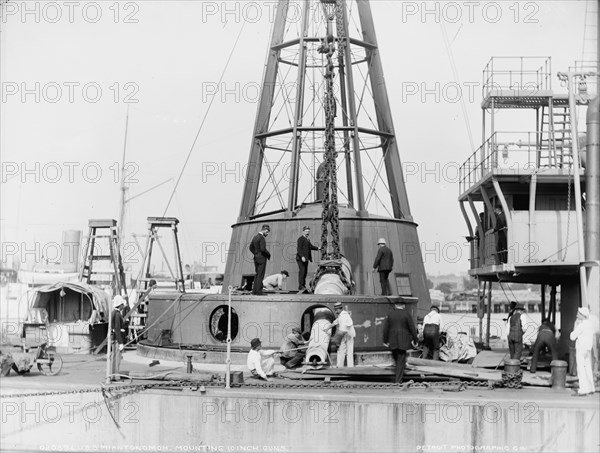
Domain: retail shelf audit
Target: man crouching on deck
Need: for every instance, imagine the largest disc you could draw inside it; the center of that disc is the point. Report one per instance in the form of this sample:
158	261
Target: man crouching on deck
261	362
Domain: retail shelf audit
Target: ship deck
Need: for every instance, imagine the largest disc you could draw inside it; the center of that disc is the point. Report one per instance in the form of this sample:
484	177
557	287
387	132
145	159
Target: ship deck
75	411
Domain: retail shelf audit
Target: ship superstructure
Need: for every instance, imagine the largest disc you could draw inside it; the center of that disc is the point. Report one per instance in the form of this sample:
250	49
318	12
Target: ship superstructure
518	191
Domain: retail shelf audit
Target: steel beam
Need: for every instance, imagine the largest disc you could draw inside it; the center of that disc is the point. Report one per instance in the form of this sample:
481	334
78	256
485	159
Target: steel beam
264	114
360	192
298	114
393	165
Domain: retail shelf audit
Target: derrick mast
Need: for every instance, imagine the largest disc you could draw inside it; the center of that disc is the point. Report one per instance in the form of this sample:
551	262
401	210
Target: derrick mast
324	152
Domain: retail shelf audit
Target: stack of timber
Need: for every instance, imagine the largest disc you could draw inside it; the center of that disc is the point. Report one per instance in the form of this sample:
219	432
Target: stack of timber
429	369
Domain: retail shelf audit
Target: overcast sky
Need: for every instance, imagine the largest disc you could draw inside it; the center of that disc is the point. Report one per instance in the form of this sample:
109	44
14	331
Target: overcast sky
70	70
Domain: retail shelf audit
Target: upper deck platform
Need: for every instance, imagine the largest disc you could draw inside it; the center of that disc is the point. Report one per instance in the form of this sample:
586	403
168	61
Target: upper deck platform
522	82
523	99
514	157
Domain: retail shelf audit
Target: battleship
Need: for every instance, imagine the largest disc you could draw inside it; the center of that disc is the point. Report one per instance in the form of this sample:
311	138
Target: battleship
345	180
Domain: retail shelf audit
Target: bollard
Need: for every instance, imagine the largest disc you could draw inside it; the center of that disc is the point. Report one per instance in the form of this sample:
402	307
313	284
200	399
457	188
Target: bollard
237	377
189	367
512	365
558	379
512	376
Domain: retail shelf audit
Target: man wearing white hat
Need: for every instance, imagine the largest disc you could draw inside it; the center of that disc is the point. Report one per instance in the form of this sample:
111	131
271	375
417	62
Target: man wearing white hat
118	335
344	336
384	263
583	335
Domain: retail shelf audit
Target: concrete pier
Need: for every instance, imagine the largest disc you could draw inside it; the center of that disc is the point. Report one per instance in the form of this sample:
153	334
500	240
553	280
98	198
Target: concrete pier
72	414
299	420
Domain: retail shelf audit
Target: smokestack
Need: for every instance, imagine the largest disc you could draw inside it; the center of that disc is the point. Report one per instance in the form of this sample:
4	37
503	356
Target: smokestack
71	244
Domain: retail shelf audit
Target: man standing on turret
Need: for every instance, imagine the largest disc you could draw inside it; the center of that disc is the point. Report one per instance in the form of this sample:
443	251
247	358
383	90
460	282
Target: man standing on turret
384	263
303	257
258	247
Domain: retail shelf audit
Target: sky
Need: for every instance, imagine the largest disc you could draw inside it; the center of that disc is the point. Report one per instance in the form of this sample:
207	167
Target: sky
70	72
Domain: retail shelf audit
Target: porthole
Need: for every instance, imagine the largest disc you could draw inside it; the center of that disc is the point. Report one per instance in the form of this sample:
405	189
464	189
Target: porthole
218	323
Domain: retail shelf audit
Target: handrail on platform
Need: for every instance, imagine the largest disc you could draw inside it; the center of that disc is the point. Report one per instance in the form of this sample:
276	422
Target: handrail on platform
517	73
508	151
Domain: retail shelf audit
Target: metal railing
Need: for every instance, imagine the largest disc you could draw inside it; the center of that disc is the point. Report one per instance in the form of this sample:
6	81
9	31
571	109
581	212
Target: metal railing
519	152
517	73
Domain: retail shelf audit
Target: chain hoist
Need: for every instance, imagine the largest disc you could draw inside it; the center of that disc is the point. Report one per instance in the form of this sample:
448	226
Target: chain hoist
330	214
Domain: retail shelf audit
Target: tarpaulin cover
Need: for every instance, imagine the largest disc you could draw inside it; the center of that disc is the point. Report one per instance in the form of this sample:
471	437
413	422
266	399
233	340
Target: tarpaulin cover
79	301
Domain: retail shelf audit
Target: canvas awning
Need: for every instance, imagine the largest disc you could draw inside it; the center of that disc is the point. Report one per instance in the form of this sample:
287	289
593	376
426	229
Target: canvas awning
71	301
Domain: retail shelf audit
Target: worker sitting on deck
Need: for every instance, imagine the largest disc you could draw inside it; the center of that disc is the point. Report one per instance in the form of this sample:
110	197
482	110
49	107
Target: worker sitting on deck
276	281
260	361
545	338
431	333
291	352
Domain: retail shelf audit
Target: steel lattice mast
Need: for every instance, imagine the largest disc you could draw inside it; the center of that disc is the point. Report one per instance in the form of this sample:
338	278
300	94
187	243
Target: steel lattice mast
324	152
286	121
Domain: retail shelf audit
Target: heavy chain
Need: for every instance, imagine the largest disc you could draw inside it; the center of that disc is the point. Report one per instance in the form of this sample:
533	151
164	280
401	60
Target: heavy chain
39	394
512	380
127	389
119	387
329	214
444	385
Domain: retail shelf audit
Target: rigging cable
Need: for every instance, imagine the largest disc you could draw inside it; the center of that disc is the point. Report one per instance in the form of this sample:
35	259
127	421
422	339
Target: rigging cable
457	80
204	119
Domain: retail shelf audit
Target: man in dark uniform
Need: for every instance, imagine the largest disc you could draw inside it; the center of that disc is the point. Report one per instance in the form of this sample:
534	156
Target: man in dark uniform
303	256
546	337
118	335
501	237
384	263
516	328
258	247
399	333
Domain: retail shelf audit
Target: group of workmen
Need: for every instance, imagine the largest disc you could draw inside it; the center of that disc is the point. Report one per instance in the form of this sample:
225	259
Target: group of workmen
383	264
261	362
583	334
399	335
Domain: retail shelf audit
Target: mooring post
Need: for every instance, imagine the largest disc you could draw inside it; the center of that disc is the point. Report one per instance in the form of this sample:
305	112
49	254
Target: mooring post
228	360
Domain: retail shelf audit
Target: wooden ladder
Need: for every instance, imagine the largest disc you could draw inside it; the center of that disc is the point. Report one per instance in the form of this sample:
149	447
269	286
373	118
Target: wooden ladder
114	276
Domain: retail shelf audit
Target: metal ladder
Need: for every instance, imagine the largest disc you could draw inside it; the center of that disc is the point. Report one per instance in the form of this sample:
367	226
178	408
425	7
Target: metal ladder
556	137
